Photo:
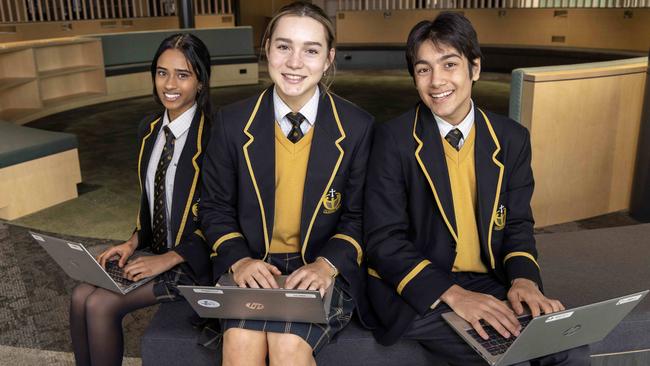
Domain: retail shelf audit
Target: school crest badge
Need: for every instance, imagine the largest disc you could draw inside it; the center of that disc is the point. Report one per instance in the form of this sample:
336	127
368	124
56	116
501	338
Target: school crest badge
195	211
500	218
331	201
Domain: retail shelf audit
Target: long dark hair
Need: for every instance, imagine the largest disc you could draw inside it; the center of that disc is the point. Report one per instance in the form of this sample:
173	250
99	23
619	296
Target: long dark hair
198	56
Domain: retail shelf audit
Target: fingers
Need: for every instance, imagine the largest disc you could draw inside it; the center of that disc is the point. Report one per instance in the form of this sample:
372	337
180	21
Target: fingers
476	324
506	319
255	274
273	269
515	302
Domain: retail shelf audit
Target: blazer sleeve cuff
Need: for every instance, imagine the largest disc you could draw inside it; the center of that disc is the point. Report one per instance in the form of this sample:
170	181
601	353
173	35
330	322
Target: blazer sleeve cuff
343	251
423	286
522	265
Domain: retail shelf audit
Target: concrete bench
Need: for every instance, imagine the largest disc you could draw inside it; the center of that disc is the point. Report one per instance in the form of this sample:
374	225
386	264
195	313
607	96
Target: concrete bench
38	169
578	268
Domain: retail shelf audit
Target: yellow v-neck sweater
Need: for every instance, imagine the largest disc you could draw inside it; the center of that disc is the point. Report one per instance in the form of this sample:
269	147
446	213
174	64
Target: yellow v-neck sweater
462	177
290	172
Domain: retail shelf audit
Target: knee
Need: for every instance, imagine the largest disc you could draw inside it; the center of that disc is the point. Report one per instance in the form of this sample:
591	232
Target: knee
244	347
98	305
79	296
289	349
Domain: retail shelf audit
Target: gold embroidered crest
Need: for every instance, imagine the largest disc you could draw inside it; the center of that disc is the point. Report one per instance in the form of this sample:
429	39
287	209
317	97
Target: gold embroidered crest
195	211
331	201
500	218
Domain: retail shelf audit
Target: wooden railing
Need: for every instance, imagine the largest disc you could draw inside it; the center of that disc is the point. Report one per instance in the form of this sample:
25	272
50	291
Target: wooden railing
483	4
24	11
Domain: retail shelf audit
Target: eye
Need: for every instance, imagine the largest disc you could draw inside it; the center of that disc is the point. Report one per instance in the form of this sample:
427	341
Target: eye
422	70
161	73
312	51
183	76
450	65
282	47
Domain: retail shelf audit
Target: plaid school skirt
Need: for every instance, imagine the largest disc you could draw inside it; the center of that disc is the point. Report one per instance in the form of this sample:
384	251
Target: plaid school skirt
316	335
165	284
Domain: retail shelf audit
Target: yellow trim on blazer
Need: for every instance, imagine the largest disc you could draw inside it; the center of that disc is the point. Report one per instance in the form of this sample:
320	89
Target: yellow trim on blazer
414	272
252	174
197	169
426	174
496	196
225	238
521	254
151	128
373	273
200	234
329	183
354	243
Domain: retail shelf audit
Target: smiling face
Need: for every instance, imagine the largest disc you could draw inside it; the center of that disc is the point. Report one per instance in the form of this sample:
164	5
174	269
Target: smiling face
443	80
298	55
176	82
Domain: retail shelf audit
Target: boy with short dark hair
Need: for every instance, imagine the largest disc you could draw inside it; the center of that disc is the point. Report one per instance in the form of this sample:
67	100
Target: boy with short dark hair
448	223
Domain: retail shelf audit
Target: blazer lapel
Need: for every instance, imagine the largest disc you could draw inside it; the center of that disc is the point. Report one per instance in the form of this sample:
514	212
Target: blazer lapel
489	174
430	156
325	159
146	146
186	177
259	153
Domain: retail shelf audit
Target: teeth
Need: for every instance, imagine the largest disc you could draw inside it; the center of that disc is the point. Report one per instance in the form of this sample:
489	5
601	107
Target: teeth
442	95
293	77
172	95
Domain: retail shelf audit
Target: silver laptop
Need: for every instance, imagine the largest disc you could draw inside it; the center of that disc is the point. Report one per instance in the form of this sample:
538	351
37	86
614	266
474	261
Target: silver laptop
228	301
548	334
81	265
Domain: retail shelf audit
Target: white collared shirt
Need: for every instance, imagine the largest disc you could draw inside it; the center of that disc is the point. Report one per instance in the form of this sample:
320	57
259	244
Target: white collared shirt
178	128
465	126
309	110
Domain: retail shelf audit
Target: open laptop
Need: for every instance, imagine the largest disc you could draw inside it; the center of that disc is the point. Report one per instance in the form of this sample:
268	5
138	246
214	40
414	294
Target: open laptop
547	334
81	265
228	301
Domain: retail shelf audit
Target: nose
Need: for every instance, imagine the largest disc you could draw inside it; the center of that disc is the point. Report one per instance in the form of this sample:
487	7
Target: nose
437	79
170	82
295	60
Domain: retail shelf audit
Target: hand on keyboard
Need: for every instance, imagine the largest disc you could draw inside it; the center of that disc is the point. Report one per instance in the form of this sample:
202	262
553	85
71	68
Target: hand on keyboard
526	291
475	306
122	251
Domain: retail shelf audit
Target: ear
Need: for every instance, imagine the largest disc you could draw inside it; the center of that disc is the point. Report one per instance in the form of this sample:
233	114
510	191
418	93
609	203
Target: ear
330	59
476	69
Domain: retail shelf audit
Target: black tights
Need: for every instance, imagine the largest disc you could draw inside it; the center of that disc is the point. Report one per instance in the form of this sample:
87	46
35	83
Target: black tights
96	322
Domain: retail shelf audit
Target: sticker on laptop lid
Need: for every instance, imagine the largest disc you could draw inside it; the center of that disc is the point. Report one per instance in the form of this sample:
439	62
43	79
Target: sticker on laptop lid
625	300
38	237
75	247
208	291
301	295
553	318
208	303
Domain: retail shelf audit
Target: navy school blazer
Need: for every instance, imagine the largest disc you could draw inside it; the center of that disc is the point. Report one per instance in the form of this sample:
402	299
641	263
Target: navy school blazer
238	194
186	235
410	227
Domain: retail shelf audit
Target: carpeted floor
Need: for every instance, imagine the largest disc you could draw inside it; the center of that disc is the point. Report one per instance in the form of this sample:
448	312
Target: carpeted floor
35	295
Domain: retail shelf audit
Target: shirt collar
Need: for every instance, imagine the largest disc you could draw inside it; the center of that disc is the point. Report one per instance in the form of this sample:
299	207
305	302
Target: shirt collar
465	126
182	123
309	110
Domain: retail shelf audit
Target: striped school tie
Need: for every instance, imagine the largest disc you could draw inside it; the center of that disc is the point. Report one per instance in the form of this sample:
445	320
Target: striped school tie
160	198
296	120
453	138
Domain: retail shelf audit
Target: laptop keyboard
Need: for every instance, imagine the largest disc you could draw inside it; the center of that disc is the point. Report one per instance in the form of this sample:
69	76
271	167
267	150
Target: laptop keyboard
117	273
496	344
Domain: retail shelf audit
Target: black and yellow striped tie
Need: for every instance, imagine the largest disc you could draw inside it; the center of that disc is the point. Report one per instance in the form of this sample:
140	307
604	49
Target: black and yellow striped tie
159	224
296	120
453	137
